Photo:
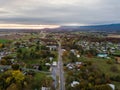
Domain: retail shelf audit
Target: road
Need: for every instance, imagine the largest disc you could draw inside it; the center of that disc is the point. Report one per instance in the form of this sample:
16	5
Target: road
54	75
60	68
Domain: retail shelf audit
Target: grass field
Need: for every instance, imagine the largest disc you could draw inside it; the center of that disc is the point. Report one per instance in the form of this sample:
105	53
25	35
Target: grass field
105	67
102	64
117	52
3	41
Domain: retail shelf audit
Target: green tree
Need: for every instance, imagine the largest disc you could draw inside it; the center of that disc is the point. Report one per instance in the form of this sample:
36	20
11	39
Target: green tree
15	66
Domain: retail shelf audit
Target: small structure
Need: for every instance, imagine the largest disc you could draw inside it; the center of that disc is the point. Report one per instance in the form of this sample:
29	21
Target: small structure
74	83
112	86
47	64
70	66
102	55
54	63
78	65
63	50
78	55
36	66
73	51
51	58
45	88
52	47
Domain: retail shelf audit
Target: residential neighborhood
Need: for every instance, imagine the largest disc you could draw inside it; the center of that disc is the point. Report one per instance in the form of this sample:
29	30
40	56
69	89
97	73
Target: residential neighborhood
63	61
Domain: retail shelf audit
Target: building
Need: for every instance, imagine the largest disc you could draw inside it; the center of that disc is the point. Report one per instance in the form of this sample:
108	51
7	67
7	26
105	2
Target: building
74	83
102	55
45	88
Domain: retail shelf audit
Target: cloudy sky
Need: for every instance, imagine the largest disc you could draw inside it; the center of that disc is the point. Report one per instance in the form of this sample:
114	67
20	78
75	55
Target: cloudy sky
59	12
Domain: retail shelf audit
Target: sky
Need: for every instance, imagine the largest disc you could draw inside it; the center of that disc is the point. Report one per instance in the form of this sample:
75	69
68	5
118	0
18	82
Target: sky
58	12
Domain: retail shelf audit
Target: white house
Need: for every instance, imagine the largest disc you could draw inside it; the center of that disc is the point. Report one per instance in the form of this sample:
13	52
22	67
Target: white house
74	83
45	88
112	86
54	63
102	55
78	55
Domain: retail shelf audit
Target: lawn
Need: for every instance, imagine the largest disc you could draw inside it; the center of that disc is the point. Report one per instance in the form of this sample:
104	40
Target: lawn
39	76
102	64
3	41
117	52
35	61
105	67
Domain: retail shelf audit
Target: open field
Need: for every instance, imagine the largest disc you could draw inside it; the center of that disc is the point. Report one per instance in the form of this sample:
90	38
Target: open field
3	41
113	36
103	66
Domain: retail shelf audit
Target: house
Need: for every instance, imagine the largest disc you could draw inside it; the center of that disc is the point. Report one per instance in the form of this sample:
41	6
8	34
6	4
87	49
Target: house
54	63
52	47
70	66
63	50
78	65
51	58
78	55
102	55
47	64
35	66
112	86
73	51
74	83
45	88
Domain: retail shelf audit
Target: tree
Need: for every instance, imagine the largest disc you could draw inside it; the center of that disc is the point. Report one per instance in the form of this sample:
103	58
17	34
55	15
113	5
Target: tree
18	76
38	47
19	50
12	77
15	66
72	57
13	86
1	45
3	62
103	87
114	69
41	80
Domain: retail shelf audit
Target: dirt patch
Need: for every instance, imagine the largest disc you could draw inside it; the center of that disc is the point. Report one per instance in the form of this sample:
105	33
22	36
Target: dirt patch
113	36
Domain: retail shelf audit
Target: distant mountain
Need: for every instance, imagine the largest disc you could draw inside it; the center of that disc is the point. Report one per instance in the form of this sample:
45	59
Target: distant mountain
96	28
110	28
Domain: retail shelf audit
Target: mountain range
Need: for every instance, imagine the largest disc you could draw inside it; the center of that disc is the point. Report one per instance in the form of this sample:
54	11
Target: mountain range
93	28
114	28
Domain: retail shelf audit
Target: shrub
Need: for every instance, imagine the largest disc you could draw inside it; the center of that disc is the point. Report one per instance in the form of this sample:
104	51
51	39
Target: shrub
114	69
102	87
15	66
109	62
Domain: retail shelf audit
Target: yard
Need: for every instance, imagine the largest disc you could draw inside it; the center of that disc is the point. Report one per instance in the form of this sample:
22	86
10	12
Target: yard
3	41
107	66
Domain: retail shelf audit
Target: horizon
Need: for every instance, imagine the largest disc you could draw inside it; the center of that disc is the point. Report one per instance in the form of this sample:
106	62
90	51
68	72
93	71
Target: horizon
25	26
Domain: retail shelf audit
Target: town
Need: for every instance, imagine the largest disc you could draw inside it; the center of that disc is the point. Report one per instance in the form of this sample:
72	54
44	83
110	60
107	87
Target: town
59	61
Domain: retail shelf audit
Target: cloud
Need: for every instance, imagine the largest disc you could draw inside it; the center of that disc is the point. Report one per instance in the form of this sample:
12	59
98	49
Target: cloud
59	12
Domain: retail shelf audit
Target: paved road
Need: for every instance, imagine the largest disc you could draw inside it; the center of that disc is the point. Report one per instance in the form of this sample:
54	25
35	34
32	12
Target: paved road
54	75
60	67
